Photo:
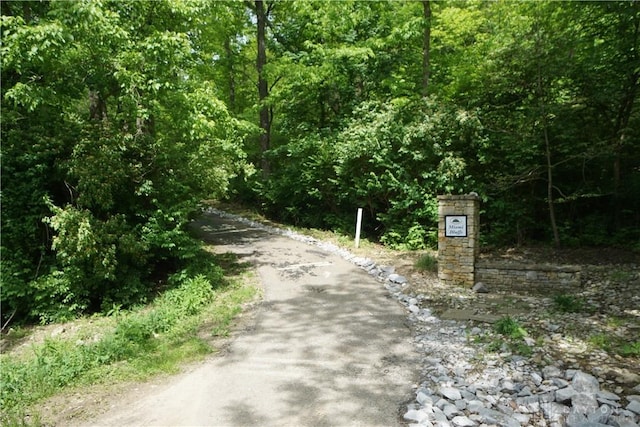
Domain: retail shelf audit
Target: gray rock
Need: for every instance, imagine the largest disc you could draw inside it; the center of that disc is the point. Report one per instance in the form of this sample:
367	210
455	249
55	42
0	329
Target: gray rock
439	416
450	410
634	406
523	419
508	385
537	379
440	403
575	419
609	403
631	397
584	403
588	424
528	400
388	269
462	421
396	278
461	404
554	412
424	399
603	394
475	406
569	374
547	397
531	408
565	394
416	415
450	393
620	421
585	383
601	415
526	391
559	382
467	395
480	288
490	416
626	413
549	372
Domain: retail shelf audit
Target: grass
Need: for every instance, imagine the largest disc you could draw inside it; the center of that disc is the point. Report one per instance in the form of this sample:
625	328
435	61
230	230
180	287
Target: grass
568	303
427	262
510	336
616	345
630	349
135	346
618	275
510	328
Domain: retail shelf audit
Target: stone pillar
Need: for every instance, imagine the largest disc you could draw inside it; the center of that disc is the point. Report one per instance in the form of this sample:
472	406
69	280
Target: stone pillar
458	235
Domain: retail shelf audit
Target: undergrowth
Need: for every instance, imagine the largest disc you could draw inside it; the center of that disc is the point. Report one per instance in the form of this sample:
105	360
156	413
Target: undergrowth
144	341
510	337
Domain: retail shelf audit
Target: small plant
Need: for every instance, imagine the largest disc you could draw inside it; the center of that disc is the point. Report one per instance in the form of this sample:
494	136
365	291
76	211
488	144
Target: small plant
495	346
620	275
511	338
568	303
427	262
510	328
522	349
630	349
616	345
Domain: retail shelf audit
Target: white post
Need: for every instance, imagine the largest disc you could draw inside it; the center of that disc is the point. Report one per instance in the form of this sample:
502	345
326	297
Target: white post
358	226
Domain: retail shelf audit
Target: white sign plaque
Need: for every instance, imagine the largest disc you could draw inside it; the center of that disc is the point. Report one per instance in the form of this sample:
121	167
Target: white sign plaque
455	226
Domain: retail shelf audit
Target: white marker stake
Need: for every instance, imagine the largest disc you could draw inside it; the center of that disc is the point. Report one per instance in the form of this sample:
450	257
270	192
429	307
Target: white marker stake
358	226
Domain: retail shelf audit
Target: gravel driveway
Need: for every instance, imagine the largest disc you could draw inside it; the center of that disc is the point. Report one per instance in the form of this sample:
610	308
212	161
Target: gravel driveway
327	347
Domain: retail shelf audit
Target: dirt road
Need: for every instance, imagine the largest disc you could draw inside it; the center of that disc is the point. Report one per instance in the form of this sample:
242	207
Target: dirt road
327	347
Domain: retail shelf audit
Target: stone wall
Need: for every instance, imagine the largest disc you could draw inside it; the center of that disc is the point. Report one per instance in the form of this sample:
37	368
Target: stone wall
457	254
540	278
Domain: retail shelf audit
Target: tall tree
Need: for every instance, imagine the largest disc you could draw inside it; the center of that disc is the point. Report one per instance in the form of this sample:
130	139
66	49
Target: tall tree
426	47
262	14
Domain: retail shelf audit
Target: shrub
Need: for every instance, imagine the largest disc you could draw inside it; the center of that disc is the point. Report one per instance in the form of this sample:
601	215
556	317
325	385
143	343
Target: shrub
427	262
510	328
568	303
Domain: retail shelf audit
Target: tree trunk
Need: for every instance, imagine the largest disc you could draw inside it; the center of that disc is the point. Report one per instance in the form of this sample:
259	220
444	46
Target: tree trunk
263	88
552	212
97	106
232	82
547	150
426	47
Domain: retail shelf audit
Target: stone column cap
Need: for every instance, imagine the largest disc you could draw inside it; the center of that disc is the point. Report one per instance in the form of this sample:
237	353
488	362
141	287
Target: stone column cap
470	196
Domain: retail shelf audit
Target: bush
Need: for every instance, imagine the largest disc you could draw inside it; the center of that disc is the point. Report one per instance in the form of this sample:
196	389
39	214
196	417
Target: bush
510	328
427	262
568	303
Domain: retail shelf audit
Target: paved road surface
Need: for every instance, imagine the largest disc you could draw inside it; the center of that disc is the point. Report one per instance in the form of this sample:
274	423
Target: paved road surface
327	347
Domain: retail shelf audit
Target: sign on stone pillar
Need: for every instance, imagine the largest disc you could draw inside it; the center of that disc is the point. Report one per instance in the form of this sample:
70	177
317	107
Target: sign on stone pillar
458	234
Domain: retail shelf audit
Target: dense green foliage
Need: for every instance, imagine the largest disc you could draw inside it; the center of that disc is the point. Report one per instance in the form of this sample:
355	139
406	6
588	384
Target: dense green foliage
119	117
110	139
532	105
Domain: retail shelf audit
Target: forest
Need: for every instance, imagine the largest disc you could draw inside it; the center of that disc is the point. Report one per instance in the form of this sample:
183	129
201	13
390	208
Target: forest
119	118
